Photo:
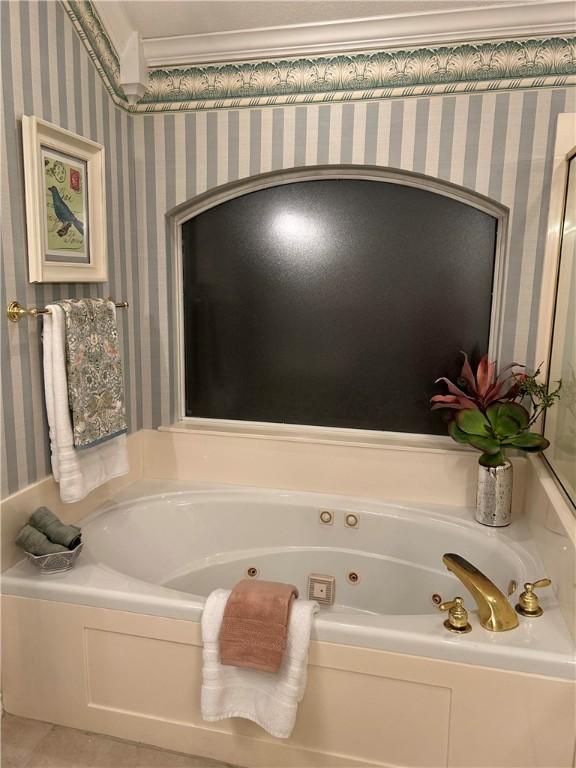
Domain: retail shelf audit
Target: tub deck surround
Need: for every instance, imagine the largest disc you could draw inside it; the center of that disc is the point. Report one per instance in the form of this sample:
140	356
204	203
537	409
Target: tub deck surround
122	648
408	468
162	547
552	523
138	677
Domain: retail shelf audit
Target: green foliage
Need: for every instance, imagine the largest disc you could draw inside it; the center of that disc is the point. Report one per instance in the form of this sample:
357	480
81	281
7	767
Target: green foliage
492	459
529	441
473	422
503	424
538	394
507	418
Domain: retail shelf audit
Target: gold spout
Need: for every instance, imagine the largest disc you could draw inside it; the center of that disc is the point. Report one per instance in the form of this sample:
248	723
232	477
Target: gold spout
495	612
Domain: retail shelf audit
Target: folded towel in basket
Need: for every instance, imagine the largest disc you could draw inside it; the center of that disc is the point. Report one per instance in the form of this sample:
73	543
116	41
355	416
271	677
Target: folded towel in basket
37	543
51	526
255	624
271	700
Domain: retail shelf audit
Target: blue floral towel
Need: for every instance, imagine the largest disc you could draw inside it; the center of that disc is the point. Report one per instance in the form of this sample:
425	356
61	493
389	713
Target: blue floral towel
94	371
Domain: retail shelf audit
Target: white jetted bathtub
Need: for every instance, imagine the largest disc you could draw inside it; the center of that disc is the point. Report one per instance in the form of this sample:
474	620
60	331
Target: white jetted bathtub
163	553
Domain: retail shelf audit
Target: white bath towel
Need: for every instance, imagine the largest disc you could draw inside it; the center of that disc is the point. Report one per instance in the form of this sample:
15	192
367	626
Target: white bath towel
77	472
269	699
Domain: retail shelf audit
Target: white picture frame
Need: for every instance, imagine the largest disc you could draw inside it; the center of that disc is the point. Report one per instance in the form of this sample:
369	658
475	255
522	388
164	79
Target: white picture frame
65	205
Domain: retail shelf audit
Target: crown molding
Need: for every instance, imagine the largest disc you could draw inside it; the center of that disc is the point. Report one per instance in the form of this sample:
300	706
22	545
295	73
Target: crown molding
115	48
497	21
115	21
509	64
458	68
91	30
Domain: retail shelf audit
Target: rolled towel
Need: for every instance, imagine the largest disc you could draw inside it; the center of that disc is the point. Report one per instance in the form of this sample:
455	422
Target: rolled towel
34	541
255	625
46	521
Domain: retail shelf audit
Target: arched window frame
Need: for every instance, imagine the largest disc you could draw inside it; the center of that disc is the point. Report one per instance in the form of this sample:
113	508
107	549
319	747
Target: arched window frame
221	194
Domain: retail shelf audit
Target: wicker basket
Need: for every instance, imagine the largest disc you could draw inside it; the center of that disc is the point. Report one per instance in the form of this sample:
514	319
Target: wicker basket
58	562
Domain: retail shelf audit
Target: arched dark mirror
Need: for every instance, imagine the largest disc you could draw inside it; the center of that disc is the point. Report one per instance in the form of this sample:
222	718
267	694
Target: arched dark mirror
333	302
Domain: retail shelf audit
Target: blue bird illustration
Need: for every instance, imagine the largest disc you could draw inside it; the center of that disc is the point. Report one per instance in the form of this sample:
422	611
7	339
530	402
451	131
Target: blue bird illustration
63	213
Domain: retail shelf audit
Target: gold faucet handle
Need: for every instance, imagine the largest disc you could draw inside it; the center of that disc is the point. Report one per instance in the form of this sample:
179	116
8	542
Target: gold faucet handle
448	605
528	603
457	620
538	584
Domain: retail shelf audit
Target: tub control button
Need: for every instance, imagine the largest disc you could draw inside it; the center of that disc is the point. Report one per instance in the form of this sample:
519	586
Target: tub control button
351	521
326	517
321	588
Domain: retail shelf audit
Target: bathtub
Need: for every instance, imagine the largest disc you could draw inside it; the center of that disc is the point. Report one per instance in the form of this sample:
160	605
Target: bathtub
162	548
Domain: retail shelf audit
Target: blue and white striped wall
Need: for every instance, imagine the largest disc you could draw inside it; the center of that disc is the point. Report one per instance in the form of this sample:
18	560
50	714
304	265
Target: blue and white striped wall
497	143
47	72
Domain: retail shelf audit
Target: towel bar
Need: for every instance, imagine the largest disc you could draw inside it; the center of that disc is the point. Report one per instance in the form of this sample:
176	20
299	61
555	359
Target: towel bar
15	311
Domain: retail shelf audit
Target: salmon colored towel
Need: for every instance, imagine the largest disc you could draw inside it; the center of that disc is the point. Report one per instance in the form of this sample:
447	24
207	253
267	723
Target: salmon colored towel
255	625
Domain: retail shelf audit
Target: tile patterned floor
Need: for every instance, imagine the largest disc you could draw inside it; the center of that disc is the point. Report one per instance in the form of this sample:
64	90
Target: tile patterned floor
32	744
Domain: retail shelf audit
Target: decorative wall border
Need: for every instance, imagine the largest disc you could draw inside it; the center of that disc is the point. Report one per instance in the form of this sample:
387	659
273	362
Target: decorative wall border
345	96
459	68
375	74
91	30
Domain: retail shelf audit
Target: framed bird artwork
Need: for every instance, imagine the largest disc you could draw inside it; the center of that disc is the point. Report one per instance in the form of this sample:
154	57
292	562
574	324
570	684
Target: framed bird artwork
65	205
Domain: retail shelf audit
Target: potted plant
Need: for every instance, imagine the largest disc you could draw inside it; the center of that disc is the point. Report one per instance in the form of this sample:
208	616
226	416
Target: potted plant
489	414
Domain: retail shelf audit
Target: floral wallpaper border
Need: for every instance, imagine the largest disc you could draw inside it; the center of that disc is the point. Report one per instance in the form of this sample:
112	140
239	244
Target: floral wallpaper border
496	65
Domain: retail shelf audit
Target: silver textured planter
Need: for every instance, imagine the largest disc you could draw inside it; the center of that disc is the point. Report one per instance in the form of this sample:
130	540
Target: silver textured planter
494	497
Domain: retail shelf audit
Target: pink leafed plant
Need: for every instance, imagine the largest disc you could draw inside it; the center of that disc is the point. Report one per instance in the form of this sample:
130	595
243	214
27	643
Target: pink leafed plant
478	391
489	414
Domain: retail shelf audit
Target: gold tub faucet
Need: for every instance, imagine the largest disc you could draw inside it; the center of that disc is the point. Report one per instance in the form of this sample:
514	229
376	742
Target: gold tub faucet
496	613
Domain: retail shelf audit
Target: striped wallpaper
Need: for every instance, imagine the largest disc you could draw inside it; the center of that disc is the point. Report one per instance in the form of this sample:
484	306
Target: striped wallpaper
47	72
499	144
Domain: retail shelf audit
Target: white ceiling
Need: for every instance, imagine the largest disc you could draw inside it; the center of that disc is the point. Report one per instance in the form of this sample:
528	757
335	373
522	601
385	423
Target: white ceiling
194	17
178	32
